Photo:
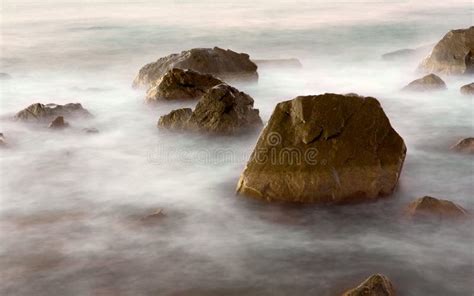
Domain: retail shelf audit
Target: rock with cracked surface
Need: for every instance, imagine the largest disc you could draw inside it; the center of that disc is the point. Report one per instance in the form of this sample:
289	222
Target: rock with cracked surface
375	285
46	112
327	148
452	55
468	89
180	84
222	110
226	64
465	145
427	83
430	208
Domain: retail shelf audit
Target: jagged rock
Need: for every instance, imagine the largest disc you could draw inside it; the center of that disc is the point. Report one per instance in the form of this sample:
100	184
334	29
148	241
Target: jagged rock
430	208
328	148
375	285
180	84
41	112
465	145
90	130
58	123
427	83
226	64
453	54
222	110
467	89
279	63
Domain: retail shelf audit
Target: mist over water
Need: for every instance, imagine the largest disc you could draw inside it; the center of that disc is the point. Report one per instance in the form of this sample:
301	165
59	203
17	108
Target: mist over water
71	204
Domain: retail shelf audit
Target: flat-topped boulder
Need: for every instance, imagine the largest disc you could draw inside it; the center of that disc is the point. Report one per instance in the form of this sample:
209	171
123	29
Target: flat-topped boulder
430	208
222	110
225	64
465	145
178	84
375	285
46	112
429	82
327	148
468	89
452	55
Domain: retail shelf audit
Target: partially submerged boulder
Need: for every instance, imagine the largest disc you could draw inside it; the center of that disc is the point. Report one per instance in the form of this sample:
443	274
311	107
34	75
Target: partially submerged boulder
429	208
375	285
3	141
427	83
225	64
468	89
46	112
58	123
465	146
222	110
328	148
180	84
90	130
279	63
407	53
453	54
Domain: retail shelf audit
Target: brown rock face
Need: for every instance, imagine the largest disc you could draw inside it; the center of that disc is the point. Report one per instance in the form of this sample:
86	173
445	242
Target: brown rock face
468	89
465	145
220	62
58	123
452	55
375	285
180	84
222	110
432	208
325	149
41	112
427	83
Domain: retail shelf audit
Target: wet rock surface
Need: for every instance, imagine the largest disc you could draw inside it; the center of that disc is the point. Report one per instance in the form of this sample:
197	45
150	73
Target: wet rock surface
429	82
179	84
430	208
375	285
453	54
468	89
465	146
328	148
222	110
225	64
46	112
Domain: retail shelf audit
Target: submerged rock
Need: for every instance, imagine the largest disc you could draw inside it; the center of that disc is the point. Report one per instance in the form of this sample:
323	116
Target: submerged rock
453	54
375	285
427	83
279	63
465	146
58	123
468	89
5	76
328	148
226	64
430	208
41	112
222	110
90	130
180	84
407	53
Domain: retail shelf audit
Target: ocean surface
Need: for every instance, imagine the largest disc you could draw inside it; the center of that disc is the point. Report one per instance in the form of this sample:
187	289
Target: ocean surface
72	204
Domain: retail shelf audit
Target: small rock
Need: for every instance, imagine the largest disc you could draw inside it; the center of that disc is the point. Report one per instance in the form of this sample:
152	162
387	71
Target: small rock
222	110
427	83
90	130
5	76
468	89
58	123
44	112
429	208
154	217
180	84
465	145
3	141
375	285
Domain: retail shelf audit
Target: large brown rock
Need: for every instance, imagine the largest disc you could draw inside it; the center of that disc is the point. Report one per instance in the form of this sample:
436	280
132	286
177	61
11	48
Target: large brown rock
225	64
453	54
468	89
375	285
430	208
45	112
328	148
222	110
427	83
180	84
465	146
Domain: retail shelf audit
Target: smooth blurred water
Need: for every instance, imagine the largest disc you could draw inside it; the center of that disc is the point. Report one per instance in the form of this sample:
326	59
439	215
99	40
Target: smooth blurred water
71	203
